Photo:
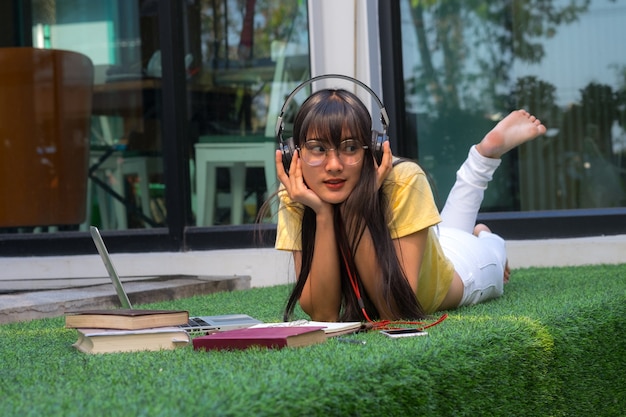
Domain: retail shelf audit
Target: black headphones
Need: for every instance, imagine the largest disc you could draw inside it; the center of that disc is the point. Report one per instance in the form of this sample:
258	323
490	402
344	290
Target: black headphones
288	147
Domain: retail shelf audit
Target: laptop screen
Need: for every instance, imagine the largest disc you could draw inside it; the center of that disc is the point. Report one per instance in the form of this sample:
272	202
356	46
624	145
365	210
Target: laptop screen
104	254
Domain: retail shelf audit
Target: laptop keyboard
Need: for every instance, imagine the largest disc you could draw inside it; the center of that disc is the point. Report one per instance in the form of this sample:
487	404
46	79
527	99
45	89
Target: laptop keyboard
197	325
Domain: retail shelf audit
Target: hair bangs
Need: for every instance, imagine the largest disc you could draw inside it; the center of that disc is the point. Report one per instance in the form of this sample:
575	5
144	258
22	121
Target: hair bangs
334	117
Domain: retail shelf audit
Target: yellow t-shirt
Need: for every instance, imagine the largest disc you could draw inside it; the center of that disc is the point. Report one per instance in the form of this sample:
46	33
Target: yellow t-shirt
412	209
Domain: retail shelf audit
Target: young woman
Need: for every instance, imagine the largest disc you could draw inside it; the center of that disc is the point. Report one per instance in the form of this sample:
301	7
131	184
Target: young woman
367	240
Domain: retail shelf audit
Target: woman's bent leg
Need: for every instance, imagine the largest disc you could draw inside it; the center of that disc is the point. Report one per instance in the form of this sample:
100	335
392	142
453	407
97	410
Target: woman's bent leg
466	196
479	260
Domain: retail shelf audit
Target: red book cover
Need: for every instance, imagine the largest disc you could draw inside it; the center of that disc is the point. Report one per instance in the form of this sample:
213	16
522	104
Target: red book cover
270	337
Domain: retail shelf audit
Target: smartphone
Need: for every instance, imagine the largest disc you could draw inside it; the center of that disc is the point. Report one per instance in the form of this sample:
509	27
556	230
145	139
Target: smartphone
395	333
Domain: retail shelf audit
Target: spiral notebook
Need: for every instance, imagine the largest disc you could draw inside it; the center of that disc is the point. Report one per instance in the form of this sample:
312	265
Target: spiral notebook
195	324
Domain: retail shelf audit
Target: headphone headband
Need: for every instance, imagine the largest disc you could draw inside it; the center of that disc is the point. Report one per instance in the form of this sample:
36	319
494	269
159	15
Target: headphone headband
288	147
384	118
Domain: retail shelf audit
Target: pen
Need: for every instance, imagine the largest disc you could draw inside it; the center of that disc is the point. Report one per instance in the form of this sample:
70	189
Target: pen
353	341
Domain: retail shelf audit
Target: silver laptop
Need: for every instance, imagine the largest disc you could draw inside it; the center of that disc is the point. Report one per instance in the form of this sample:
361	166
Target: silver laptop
196	324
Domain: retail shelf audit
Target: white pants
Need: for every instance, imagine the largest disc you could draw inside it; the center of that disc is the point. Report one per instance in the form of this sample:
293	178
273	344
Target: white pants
479	260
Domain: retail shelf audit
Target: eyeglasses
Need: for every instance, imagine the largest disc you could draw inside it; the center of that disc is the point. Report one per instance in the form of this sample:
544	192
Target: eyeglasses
350	152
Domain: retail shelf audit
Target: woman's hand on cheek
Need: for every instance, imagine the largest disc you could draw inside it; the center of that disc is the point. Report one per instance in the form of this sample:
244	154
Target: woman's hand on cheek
385	165
294	183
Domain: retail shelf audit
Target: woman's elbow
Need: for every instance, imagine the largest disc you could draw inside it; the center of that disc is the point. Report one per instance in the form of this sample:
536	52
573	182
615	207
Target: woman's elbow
317	314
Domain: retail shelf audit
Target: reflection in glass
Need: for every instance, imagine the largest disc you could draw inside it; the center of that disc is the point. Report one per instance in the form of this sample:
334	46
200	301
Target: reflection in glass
45	106
467	64
242	57
251	53
126	167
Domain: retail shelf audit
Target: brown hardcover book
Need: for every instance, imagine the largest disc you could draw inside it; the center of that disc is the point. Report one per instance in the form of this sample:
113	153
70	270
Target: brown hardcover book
270	337
125	319
109	340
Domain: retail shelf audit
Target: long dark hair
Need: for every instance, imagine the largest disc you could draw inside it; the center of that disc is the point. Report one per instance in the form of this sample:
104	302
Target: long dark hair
328	113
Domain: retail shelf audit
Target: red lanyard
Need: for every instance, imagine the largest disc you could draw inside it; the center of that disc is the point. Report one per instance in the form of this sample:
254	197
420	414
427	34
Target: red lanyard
389	325
383	324
355	287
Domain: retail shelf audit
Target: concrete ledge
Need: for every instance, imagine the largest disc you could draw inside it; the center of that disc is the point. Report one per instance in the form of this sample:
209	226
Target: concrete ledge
595	250
266	266
41	304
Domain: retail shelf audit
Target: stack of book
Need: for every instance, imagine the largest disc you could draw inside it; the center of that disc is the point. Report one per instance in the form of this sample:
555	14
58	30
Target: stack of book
128	330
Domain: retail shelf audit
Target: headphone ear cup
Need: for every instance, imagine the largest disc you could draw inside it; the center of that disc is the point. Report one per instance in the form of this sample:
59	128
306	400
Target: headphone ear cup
377	145
288	148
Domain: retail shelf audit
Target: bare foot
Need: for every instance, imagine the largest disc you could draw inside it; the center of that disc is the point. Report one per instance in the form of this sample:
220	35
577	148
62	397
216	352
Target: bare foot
483	228
516	128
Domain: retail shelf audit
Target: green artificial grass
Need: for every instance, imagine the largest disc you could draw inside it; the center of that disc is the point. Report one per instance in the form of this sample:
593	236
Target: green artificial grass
553	345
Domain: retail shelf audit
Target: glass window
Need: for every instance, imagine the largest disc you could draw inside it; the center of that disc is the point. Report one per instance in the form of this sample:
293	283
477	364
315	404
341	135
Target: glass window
125	159
466	64
246	57
241	57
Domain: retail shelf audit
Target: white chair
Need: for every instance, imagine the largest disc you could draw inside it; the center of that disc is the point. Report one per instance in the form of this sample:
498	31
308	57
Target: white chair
236	153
